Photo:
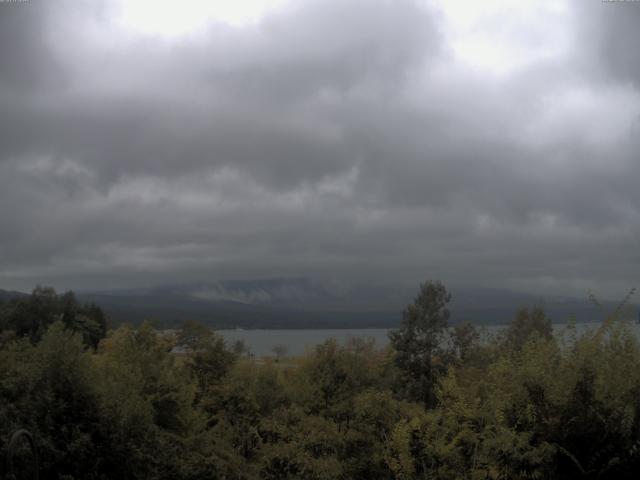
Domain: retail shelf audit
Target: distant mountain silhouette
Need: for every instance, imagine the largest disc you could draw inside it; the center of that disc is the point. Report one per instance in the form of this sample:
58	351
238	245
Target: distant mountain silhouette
304	303
9	294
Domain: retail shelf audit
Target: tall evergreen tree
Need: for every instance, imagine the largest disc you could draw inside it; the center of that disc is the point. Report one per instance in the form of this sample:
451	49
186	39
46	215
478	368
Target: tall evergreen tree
417	341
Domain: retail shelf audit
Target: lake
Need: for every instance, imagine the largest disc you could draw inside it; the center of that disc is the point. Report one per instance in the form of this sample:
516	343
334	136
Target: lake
296	342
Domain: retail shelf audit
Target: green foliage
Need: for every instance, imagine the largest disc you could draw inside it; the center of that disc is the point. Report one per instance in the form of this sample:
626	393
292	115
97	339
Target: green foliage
418	341
529	322
207	356
148	405
328	380
464	339
31	317
48	388
301	447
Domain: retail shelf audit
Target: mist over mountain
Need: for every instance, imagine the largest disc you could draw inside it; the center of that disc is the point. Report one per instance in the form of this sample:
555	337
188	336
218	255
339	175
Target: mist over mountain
308	303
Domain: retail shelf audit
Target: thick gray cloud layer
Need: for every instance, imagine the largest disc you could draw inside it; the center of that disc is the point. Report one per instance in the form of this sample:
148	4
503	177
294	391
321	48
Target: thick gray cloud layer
334	139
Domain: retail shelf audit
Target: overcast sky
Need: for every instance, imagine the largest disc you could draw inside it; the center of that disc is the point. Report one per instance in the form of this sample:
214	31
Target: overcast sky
483	143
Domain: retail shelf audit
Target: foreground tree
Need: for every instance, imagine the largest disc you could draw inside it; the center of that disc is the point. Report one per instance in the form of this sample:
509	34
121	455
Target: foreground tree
31	316
207	355
464	337
417	342
527	324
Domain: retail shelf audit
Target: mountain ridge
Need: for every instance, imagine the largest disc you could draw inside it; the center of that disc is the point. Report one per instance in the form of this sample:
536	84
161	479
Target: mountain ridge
298	303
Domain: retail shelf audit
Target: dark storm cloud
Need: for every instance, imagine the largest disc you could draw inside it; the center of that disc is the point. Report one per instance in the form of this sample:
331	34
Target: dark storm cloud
333	139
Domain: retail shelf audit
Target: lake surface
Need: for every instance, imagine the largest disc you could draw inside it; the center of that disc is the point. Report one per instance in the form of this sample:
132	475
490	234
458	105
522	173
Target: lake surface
296	342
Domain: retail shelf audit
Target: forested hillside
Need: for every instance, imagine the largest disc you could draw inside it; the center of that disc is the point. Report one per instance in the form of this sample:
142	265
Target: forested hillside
436	404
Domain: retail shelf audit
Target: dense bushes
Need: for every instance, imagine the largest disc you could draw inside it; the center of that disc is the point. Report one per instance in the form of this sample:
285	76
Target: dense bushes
30	316
525	404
